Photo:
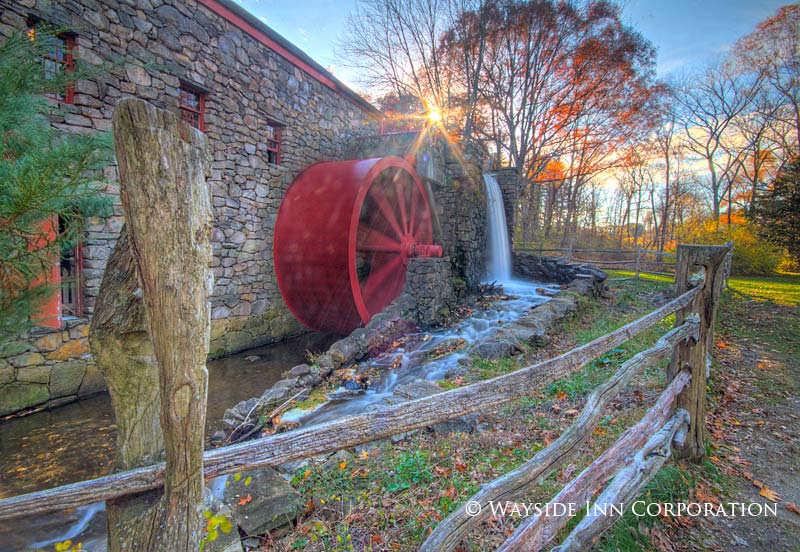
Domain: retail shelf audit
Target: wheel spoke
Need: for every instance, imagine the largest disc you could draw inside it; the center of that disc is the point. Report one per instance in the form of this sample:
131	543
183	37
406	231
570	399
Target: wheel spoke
370	239
377	279
386	210
416	210
401	201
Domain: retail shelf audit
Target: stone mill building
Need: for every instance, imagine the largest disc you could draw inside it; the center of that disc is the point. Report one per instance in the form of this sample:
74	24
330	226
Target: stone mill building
269	111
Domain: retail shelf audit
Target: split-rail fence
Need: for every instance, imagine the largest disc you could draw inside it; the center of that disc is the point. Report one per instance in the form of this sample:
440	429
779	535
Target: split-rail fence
674	425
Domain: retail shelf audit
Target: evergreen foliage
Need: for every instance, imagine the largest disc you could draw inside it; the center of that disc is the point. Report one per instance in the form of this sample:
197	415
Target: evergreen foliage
44	174
778	211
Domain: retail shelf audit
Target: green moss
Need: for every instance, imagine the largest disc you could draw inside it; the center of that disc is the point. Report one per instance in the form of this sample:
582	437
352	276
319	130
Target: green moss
16	396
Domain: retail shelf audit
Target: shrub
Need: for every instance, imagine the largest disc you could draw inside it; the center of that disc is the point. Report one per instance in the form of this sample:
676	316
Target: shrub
751	254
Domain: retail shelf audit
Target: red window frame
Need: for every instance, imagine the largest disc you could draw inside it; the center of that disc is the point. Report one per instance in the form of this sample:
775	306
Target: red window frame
62	57
193	109
273	132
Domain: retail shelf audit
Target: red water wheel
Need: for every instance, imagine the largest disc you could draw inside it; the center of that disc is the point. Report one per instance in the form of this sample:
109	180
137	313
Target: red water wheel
344	235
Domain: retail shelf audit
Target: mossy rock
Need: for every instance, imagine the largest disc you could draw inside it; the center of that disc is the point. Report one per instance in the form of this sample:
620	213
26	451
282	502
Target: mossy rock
16	396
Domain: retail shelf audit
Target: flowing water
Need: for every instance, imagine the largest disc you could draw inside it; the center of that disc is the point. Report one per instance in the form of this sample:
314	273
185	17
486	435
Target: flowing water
77	441
498	254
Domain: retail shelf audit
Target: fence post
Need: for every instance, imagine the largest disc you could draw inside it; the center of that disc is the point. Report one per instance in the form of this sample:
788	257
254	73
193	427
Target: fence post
638	260
728	263
696	355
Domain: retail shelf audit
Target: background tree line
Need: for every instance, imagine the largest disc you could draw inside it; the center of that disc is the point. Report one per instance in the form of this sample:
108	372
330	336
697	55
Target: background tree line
566	94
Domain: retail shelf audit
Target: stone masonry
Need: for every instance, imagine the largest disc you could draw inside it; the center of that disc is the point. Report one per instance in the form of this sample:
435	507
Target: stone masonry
149	49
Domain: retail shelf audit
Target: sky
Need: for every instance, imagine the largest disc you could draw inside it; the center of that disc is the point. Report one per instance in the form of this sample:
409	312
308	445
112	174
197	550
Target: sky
686	33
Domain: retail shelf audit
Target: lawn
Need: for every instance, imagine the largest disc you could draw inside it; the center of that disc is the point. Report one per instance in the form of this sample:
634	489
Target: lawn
389	496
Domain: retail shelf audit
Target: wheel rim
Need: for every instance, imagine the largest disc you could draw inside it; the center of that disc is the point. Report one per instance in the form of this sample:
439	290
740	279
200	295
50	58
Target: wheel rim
391	216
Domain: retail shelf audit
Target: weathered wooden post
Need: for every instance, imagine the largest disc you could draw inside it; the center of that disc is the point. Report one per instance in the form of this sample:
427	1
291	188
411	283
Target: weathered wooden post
123	351
638	260
728	264
696	356
162	165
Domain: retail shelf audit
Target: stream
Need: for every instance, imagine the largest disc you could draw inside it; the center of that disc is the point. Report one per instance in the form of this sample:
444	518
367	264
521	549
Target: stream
407	363
77	441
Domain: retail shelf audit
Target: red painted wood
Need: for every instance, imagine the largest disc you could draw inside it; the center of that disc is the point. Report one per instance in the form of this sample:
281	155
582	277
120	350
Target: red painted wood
49	311
342	243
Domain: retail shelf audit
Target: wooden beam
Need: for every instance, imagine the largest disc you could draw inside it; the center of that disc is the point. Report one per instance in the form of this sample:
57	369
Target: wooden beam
162	165
711	259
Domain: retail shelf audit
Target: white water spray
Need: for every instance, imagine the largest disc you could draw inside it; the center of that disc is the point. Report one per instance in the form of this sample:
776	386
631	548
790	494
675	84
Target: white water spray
499	253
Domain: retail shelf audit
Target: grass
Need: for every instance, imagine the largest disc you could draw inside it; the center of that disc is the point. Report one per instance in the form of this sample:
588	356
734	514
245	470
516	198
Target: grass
390	496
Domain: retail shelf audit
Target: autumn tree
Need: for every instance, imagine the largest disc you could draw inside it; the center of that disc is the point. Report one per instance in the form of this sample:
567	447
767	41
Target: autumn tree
417	47
711	101
774	48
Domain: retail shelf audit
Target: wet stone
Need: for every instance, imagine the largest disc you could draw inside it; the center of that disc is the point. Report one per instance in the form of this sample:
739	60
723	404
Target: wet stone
261	500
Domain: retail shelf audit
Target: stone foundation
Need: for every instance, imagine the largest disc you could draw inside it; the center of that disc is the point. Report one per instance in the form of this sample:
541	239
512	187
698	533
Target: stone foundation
47	368
430	283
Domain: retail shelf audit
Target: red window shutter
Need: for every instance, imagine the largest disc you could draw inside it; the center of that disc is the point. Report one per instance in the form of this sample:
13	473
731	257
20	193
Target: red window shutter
49	311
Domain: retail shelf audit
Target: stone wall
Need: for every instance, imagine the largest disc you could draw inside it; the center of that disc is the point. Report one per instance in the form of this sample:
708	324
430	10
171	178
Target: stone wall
510	186
148	49
429	282
553	270
47	367
461	202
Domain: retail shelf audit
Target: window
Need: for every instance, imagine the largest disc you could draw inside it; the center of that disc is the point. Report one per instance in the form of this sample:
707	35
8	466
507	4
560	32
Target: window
273	144
193	105
57	62
71	262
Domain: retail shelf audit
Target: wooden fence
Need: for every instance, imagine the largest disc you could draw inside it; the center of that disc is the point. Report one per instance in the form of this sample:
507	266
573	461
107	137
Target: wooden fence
677	418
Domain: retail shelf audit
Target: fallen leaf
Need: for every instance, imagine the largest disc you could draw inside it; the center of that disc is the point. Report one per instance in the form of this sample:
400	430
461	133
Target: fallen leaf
572	412
245	500
792	507
769	494
439	471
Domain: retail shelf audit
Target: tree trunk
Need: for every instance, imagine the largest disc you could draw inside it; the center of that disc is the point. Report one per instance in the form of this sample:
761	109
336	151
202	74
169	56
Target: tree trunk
162	166
123	352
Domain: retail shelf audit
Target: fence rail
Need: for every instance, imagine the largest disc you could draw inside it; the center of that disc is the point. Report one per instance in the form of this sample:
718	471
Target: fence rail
686	346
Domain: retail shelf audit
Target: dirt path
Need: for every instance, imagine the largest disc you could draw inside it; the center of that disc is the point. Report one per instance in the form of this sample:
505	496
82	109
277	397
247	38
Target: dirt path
756	424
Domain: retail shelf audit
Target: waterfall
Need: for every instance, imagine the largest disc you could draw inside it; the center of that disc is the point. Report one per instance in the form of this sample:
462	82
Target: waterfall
498	265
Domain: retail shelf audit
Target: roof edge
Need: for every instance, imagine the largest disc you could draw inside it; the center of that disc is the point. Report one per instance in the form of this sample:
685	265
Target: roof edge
235	14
